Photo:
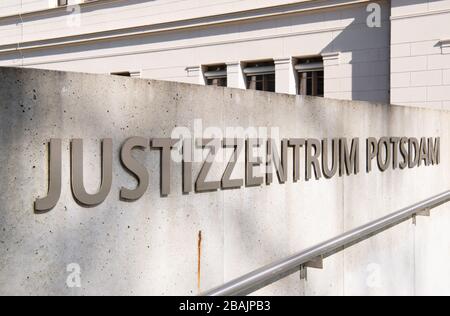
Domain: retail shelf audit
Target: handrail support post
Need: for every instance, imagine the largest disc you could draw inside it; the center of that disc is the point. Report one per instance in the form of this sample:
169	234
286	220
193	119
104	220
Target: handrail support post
425	213
316	263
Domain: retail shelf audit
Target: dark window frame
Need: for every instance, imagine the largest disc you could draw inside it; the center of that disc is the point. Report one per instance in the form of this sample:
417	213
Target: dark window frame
218	82
220	79
311	79
260	76
121	74
261	82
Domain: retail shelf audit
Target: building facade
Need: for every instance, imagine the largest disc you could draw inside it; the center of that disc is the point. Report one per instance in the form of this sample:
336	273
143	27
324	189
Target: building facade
394	51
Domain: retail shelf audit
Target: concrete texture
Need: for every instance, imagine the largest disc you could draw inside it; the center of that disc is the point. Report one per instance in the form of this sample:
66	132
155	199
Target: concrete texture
151	246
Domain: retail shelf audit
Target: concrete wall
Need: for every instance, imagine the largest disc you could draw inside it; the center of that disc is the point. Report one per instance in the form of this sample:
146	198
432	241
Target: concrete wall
420	62
168	40
151	246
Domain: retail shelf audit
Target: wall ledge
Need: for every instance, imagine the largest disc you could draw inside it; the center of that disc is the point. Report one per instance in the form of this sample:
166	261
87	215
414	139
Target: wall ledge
445	46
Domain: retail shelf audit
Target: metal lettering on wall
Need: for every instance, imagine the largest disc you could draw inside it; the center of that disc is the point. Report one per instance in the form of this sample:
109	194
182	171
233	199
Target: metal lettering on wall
325	158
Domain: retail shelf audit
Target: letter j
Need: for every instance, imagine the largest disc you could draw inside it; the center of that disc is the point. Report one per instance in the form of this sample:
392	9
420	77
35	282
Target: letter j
54	179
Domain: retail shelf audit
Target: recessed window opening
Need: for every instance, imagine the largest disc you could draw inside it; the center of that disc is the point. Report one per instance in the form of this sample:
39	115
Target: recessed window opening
216	75
122	74
260	76
310	77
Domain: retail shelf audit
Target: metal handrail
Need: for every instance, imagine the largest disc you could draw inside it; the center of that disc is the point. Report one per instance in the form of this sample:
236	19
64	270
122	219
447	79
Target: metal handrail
273	272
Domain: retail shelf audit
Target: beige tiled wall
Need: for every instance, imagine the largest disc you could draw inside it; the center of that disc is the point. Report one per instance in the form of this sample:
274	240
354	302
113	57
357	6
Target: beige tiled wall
420	64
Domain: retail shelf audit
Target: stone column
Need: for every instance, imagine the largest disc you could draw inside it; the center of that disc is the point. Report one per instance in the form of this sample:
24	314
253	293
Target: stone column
285	76
235	75
331	68
195	75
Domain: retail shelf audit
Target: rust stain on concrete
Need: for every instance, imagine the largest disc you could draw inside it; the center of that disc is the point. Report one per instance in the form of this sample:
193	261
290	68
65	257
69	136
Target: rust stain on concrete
199	258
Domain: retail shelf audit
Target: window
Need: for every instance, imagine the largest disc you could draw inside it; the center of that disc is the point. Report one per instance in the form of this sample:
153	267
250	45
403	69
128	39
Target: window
260	76
216	75
132	74
62	3
122	74
310	77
